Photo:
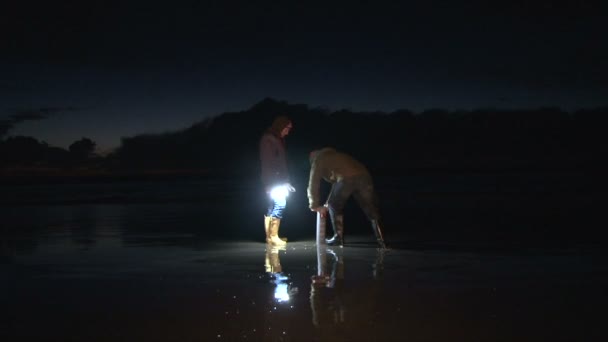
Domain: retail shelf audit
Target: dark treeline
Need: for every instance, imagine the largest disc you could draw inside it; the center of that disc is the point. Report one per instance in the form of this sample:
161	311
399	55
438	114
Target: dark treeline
387	142
28	152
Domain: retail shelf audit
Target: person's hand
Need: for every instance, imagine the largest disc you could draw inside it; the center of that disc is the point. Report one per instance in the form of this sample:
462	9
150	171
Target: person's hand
321	210
290	187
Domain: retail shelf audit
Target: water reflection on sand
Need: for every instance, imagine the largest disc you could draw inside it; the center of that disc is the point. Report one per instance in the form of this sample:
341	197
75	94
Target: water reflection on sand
101	273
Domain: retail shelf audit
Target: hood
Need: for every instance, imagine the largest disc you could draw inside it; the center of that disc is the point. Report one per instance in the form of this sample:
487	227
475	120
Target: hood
315	153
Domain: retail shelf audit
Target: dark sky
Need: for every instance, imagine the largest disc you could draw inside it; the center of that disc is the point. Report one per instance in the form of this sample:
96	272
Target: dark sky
105	70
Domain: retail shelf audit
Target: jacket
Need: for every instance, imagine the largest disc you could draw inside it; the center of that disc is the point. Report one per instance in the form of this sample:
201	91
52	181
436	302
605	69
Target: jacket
332	166
273	159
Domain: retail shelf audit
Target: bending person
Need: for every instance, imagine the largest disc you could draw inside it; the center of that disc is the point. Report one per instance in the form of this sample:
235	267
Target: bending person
348	177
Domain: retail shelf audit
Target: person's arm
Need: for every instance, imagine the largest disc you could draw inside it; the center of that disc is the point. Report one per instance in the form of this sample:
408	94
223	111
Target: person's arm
266	159
313	186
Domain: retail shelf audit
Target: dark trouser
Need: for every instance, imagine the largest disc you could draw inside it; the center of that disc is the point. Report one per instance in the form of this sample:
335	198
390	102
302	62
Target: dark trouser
361	188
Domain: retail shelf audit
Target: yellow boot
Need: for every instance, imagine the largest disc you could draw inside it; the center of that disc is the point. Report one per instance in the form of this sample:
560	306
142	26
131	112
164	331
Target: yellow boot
267	227
273	233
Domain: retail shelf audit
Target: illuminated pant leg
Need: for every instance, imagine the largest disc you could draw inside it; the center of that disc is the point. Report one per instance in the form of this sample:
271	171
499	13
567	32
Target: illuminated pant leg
276	207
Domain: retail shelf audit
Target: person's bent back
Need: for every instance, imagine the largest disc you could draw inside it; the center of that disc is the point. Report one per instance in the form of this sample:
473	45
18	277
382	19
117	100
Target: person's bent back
348	177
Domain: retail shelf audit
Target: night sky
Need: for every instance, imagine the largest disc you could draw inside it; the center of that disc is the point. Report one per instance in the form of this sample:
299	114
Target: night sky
104	70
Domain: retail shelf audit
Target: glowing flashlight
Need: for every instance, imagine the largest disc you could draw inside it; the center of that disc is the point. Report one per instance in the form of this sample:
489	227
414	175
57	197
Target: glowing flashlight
279	192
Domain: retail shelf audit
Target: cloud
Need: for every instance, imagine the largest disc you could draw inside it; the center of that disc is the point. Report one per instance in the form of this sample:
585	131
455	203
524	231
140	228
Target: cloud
20	115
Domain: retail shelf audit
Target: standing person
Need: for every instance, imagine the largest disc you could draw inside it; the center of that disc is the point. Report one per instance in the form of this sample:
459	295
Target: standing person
275	176
348	177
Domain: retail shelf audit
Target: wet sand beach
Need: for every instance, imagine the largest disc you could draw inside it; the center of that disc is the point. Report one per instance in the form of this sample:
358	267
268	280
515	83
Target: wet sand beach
181	270
153	288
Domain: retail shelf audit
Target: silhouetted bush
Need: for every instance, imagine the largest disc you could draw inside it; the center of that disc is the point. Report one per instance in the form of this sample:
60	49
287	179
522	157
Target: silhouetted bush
490	139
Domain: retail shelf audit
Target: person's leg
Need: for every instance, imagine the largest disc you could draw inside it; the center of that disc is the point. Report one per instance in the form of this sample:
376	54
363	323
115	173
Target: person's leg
276	207
267	227
338	196
273	217
366	197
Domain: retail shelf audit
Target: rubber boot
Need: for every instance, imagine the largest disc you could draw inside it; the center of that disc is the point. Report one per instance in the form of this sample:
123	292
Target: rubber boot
377	227
273	233
267	227
337	222
267	222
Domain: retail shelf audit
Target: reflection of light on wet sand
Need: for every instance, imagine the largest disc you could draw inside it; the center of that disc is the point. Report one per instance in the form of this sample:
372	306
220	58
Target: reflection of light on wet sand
281	293
169	283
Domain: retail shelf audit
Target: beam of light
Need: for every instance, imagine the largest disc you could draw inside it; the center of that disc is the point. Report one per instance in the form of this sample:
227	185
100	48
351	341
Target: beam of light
279	192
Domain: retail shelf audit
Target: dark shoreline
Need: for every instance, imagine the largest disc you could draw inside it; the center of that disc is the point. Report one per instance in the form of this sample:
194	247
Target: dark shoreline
18	176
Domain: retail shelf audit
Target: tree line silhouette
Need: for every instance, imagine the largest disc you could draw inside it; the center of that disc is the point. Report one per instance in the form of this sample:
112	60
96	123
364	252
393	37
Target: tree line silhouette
24	151
387	142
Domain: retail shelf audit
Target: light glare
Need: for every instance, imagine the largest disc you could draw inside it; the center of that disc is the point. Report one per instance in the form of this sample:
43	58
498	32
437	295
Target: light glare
279	193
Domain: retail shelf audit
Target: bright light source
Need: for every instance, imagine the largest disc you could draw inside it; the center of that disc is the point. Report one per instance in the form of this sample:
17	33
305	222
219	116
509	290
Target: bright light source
279	192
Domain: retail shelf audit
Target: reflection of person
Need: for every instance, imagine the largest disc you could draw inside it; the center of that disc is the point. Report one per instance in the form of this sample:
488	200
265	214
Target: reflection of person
275	176
336	308
272	265
378	266
348	177
272	261
326	300
276	319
